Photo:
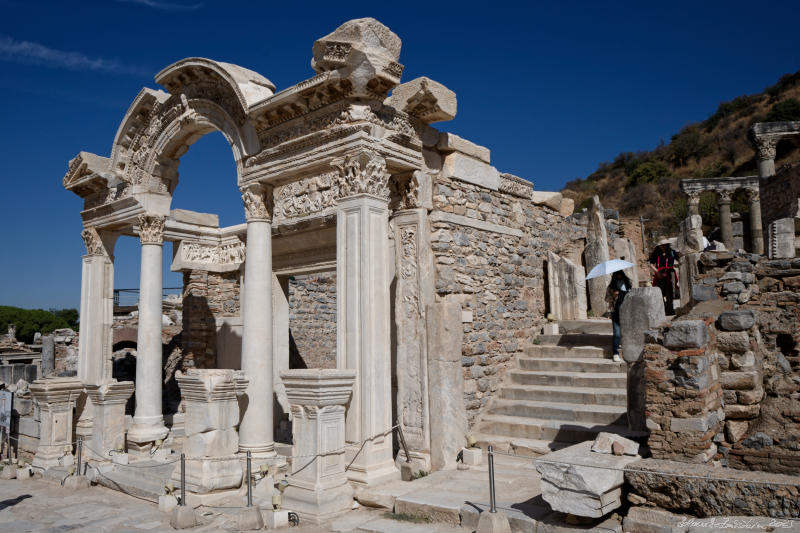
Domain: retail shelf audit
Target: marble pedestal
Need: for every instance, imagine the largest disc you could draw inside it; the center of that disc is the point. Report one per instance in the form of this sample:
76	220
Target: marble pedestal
56	399
212	418
318	489
108	406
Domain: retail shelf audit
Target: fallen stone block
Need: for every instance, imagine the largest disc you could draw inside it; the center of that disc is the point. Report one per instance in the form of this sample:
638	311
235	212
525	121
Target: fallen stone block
736	320
472	456
686	334
604	442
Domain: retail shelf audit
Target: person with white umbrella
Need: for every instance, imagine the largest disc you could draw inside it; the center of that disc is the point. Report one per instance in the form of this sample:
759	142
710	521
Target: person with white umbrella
615	293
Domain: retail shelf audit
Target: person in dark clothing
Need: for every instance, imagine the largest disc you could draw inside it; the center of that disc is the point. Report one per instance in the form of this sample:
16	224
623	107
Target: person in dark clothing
662	263
615	294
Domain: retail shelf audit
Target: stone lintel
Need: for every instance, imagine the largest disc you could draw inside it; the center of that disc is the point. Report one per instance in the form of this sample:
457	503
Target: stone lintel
449	142
783	129
52	391
462	167
111	392
193	217
730	183
461	220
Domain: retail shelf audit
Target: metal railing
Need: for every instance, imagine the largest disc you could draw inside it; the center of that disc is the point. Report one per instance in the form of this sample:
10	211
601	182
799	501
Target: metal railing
130	297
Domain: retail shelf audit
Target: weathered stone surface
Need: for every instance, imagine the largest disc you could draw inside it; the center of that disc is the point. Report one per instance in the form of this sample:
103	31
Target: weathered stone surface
547	198
449	423
736	320
428	100
703	293
735	430
643	309
449	142
566	287
493	523
604	441
596	252
733	342
465	168
686	334
690	236
781	241
738	412
739	380
567	207
700	490
195	218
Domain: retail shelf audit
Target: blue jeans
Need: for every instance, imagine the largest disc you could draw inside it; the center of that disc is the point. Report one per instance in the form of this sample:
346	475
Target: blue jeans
617	332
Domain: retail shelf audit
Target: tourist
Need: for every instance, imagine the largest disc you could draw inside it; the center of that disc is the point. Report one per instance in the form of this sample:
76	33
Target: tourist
615	294
662	263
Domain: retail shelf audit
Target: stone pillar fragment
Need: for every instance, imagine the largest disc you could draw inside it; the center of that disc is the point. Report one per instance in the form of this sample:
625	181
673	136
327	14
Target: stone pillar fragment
48	355
148	421
257	430
363	313
766	148
413	292
725	223
596	252
56	399
642	310
318	488
108	408
446	396
756	230
782	238
693	203
566	288
690	236
212	414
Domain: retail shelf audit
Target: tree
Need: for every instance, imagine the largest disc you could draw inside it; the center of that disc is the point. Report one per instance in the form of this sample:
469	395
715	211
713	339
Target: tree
784	111
29	321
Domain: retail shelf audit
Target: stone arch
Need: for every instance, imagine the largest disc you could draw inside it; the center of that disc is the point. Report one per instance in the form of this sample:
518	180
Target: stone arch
159	127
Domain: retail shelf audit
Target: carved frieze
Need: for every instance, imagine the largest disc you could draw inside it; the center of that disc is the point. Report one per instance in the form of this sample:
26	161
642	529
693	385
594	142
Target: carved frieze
517	186
151	229
256	204
196	253
306	196
362	171
409	270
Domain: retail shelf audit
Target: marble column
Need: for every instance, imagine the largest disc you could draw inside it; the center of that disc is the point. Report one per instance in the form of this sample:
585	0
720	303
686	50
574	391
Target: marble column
765	146
693	203
756	231
256	430
148	421
725	224
363	313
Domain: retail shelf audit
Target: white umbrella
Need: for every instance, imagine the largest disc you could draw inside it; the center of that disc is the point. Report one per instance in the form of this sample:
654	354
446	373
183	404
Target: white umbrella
608	267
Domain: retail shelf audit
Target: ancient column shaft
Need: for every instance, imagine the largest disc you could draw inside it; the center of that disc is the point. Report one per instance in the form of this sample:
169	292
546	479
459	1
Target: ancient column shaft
148	421
725	224
756	231
256	429
97	309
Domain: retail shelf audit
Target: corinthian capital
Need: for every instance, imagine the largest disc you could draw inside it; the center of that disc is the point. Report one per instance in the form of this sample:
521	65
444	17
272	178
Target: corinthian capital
362	171
151	229
724	196
257	203
694	197
93	242
766	147
753	194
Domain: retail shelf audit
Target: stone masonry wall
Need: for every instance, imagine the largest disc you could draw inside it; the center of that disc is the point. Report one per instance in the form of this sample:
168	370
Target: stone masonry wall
780	194
497	277
312	320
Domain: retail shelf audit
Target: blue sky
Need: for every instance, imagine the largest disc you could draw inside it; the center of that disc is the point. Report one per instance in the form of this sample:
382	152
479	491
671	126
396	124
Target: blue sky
552	88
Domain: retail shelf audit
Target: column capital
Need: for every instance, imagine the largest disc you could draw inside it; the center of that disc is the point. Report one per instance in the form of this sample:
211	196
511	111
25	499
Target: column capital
93	242
257	201
753	194
766	147
151	229
693	196
362	171
724	196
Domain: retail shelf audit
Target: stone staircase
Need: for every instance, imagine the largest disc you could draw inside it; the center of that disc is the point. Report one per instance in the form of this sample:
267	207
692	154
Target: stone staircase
564	390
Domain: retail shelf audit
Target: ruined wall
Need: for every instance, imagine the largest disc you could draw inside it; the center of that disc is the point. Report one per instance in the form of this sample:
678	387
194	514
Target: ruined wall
206	297
497	276
780	194
312	320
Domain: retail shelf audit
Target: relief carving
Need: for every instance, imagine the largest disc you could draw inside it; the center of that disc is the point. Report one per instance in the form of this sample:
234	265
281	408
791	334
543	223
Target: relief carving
306	196
194	252
517	186
362	172
256	204
151	229
93	242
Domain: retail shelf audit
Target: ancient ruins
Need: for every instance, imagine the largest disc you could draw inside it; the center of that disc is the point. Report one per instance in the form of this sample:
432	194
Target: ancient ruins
393	300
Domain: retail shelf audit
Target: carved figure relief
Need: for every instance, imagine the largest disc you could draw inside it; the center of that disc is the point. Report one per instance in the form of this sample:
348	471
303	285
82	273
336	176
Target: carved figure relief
151	229
517	186
195	252
305	196
362	172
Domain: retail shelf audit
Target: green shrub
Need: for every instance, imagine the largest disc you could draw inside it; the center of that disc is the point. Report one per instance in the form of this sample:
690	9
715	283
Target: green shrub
29	321
784	111
648	172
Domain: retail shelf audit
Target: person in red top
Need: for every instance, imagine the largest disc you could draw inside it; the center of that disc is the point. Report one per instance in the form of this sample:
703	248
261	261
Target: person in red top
662	263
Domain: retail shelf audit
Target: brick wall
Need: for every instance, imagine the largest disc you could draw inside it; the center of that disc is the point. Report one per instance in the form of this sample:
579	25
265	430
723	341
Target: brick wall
312	320
779	194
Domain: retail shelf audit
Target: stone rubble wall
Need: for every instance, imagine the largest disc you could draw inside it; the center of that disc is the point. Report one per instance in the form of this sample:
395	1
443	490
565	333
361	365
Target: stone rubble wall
312	320
497	277
780	195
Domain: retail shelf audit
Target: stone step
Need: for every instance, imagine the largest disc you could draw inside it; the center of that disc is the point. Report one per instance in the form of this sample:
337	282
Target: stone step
518	445
572	365
570	412
132	482
546	350
580	339
569	379
576	395
600	326
553	430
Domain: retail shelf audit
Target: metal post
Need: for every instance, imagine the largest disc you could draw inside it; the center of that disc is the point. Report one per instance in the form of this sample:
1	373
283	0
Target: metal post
403	441
492	506
183	479
8	443
80	450
249	479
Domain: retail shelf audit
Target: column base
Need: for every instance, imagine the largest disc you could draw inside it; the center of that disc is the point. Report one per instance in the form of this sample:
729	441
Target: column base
318	506
373	474
419	460
147	429
50	461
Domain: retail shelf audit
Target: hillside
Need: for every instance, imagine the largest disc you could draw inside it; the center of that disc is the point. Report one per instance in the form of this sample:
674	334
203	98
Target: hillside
645	183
